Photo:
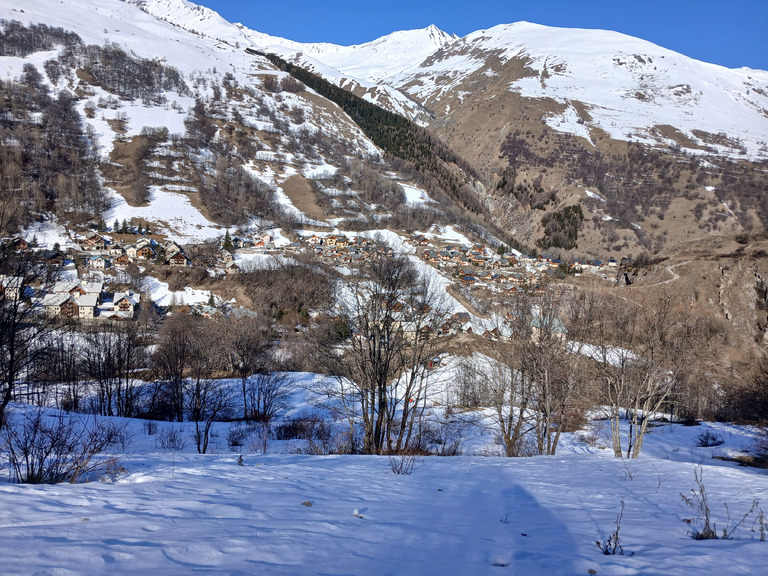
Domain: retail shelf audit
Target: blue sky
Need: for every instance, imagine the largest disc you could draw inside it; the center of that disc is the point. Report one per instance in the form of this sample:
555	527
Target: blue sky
732	33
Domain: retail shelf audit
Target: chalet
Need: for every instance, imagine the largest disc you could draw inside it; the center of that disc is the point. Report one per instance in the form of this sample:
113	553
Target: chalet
314	240
11	287
131	252
477	258
205	311
170	246
98	263
225	255
92	242
232	267
342	242
462	317
431	256
86	306
54	257
594	265
125	302
92	288
122	260
115	250
18	244
549	326
142	242
52	304
70	288
146	252
179	259
485	275
517	278
59	305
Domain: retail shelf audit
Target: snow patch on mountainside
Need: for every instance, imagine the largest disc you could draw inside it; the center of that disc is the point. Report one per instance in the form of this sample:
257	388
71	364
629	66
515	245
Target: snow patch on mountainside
388	56
630	86
171	213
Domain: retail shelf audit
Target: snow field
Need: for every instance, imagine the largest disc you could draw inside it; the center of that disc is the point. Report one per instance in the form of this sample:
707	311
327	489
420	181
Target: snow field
185	513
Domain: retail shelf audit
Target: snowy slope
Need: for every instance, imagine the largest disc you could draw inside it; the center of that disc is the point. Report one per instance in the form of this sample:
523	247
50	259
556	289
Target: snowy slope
203	58
281	513
385	56
629	85
631	88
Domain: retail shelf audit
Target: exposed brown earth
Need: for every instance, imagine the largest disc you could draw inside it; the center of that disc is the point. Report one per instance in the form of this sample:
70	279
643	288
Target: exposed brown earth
299	191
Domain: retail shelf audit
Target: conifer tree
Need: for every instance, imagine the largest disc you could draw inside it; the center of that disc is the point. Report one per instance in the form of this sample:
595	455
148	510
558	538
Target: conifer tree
227	245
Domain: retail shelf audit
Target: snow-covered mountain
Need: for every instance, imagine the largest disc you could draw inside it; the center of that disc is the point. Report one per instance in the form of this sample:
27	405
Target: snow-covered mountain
629	88
475	93
625	87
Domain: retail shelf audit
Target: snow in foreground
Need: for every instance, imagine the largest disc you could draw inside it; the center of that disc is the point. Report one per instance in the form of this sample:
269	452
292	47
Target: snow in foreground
178	513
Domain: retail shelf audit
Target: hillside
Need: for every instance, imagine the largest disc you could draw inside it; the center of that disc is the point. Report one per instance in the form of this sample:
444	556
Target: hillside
281	513
427	304
558	112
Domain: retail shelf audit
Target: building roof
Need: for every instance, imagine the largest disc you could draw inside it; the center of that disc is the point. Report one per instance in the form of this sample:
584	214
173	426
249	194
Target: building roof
88	301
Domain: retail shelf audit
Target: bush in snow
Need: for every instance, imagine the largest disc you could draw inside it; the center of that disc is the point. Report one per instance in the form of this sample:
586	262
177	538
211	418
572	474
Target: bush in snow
239	434
698	501
47	449
709	439
171	438
150	427
402	464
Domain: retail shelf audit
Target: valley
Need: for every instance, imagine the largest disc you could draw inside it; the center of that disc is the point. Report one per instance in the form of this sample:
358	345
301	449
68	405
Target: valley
266	272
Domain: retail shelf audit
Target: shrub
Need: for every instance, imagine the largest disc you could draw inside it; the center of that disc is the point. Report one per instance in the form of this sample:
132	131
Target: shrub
699	503
303	427
43	449
150	427
709	439
612	544
239	434
171	438
402	464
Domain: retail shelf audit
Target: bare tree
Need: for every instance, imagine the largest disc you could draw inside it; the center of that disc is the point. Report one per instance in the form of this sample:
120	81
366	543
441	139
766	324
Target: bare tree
509	393
533	375
247	346
208	399
170	362
268	395
379	352
23	330
112	351
642	352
